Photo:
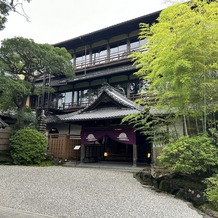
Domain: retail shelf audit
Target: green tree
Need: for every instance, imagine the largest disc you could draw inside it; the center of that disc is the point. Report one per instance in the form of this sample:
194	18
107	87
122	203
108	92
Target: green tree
28	146
11	89
189	155
180	63
22	62
153	124
211	191
10	5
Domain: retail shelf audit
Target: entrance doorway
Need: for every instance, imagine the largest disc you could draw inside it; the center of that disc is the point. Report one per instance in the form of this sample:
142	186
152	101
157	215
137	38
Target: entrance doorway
108	149
117	151
109	144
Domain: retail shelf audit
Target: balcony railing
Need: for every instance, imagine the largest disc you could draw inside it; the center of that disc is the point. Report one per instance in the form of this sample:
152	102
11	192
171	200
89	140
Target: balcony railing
73	106
105	59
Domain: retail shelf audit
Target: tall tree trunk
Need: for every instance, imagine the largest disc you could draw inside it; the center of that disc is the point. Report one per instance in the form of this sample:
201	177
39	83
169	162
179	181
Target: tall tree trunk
23	103
176	132
185	125
196	124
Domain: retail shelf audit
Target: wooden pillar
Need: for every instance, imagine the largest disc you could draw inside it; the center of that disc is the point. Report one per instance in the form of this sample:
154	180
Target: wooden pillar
128	45
128	88
108	51
82	154
154	154
64	148
135	155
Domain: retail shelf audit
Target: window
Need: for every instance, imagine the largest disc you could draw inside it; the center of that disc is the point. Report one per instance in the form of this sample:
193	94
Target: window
81	97
122	49
99	55
82	61
68	97
84	96
134	45
118	51
64	100
137	44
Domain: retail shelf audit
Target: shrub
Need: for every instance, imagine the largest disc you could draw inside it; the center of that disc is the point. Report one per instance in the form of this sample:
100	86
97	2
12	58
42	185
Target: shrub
189	155
28	146
211	191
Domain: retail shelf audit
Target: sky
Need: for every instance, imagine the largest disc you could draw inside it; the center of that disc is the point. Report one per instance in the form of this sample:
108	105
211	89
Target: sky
53	21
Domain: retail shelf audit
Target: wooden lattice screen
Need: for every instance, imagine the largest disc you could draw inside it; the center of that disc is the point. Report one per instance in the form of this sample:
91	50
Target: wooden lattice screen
62	147
4	139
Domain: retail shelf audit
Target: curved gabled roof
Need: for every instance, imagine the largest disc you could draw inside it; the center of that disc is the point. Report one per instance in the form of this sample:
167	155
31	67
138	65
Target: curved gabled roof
100	114
119	106
115	95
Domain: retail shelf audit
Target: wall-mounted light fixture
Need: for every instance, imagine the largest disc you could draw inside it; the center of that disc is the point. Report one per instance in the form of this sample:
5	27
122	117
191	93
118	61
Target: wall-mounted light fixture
149	155
105	154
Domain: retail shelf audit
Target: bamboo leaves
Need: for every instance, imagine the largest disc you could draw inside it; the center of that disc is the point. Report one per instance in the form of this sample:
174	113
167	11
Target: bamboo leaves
181	62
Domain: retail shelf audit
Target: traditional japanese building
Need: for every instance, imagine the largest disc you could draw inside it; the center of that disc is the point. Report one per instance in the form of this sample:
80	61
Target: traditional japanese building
89	108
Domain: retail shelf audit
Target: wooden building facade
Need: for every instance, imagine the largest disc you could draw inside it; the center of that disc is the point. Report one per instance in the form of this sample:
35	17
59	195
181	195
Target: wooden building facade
103	70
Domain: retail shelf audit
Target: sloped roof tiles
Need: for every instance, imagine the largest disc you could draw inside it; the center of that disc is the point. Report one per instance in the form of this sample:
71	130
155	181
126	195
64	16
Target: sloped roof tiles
91	112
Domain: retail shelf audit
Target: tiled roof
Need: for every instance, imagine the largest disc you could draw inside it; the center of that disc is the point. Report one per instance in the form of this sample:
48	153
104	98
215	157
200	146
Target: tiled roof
97	73
98	114
120	98
115	95
52	119
93	112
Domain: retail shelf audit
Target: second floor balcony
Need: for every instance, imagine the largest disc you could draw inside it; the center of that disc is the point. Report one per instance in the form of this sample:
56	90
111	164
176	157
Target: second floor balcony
91	58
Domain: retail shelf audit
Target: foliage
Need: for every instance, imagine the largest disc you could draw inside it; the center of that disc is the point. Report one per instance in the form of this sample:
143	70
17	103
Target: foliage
28	146
47	164
23	57
180	63
26	118
10	5
11	92
22	62
154	126
4	9
189	155
211	191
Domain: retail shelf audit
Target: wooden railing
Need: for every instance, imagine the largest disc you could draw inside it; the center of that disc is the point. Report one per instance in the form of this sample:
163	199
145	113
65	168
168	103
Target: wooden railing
105	59
67	106
102	59
149	99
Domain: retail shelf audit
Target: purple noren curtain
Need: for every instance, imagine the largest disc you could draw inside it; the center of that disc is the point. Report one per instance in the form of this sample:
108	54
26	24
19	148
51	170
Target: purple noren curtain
126	136
90	137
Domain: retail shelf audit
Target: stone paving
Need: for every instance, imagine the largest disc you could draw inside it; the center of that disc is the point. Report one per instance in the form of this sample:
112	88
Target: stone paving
6	212
73	192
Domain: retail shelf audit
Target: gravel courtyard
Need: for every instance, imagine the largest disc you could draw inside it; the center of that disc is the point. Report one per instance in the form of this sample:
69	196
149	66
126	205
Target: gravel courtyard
68	192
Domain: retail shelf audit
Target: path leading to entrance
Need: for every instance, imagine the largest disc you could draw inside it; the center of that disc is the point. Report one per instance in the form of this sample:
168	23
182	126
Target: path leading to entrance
70	192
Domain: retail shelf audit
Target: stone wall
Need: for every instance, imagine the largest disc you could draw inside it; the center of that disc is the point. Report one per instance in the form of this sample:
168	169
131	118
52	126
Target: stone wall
189	188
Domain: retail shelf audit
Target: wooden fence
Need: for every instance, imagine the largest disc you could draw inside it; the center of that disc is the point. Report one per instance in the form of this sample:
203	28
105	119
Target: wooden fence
62	147
4	139
4	144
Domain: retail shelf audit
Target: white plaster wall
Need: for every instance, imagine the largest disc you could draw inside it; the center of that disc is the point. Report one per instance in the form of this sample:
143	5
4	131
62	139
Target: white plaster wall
75	129
64	128
178	126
